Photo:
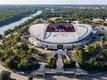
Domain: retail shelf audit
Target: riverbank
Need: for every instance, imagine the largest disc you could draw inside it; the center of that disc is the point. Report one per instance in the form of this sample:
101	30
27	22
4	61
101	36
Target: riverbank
17	23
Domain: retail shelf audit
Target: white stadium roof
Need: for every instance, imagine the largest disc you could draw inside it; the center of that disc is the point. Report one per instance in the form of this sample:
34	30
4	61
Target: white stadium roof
39	32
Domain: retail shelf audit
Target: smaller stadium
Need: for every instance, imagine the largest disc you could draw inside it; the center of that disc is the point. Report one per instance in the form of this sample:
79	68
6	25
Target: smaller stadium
60	35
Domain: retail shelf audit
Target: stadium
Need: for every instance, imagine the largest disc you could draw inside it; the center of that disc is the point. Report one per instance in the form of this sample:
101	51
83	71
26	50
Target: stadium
60	35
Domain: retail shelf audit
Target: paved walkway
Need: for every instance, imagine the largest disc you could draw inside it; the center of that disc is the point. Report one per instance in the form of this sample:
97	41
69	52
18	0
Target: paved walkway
64	78
59	61
40	70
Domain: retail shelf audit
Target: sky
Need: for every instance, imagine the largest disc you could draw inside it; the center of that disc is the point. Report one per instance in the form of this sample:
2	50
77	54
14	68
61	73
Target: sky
53	2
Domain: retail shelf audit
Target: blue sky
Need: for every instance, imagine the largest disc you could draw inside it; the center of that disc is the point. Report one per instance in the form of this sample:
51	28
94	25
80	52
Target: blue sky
53	1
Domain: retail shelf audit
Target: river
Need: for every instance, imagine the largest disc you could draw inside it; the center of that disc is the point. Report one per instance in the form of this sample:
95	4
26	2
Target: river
17	23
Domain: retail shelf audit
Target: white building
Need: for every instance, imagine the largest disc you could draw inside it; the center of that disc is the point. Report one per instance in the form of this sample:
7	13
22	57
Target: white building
59	35
97	20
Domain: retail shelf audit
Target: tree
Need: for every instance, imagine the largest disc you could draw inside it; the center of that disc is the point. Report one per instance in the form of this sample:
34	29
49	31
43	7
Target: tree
93	64
5	75
79	56
30	78
51	21
69	64
103	39
10	62
51	63
89	49
8	32
24	46
59	20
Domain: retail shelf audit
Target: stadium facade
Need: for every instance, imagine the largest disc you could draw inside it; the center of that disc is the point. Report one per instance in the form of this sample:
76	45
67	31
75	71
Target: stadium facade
59	35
